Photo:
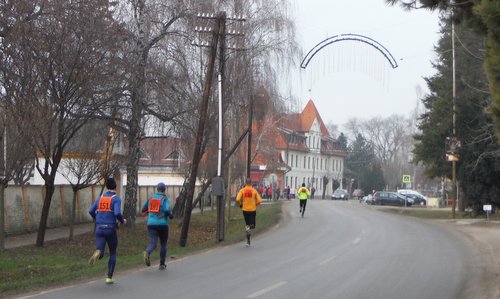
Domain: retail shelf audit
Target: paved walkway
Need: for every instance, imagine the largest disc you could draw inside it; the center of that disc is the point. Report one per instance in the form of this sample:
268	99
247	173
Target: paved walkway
60	233
50	235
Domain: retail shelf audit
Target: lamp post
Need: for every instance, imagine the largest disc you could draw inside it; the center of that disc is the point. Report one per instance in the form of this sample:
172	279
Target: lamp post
454	160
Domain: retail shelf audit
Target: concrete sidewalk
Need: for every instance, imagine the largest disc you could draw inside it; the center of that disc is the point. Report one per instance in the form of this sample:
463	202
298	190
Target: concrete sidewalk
60	233
50	235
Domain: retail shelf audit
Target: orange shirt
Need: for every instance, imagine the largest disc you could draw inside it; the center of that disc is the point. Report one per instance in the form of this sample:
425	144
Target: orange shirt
248	198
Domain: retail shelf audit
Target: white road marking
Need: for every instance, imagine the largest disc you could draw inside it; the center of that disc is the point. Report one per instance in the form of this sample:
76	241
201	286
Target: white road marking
266	290
356	241
327	260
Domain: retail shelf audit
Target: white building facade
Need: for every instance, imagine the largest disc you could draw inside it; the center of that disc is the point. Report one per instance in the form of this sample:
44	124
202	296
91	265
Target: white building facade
312	155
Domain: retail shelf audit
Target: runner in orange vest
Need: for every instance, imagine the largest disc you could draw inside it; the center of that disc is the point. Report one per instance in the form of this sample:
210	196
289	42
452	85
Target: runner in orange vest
248	199
106	212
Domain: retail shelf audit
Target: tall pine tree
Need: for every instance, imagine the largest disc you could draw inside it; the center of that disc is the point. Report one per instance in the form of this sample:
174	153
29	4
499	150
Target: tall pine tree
478	169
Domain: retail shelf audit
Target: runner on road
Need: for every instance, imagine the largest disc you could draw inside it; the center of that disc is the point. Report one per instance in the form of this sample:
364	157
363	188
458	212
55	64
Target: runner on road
105	211
248	199
303	194
157	208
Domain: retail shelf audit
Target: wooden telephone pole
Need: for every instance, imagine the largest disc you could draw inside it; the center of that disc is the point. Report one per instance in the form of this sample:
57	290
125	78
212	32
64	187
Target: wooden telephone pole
218	40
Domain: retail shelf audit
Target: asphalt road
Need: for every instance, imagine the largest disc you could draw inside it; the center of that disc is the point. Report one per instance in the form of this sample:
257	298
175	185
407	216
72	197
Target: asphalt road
338	250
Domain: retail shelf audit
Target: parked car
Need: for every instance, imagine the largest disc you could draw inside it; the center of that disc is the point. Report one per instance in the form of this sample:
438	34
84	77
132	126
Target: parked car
418	198
357	193
391	198
340	194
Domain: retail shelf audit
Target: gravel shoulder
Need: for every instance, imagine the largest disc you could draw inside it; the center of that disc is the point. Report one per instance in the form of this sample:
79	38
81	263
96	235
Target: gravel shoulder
484	237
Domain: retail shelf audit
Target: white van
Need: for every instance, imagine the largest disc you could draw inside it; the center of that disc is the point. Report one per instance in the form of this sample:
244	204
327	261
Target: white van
418	198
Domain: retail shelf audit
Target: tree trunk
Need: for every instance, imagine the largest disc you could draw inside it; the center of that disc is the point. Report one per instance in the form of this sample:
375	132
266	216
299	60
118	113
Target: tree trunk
130	206
72	216
325	185
135	132
49	191
2	220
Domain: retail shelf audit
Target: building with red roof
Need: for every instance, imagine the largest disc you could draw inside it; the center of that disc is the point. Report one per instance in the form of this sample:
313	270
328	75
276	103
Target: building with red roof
295	148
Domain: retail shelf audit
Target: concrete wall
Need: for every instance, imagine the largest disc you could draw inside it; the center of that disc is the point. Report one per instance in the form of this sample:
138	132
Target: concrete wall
23	205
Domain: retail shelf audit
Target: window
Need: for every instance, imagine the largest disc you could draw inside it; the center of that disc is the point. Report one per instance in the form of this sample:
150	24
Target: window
304	162
291	160
295	181
286	181
296	160
309	162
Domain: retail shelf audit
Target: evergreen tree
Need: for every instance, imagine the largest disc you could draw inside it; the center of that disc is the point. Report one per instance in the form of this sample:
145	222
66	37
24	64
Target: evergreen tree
373	178
342	140
478	172
360	156
481	16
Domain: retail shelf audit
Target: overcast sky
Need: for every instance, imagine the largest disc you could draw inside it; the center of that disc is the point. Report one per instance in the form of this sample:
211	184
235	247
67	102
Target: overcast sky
352	79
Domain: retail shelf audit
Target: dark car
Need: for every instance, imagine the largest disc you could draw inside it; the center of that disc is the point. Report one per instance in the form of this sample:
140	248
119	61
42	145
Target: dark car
417	199
340	194
390	198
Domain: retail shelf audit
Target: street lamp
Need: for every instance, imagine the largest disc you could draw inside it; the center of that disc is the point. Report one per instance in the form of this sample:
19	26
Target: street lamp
454	161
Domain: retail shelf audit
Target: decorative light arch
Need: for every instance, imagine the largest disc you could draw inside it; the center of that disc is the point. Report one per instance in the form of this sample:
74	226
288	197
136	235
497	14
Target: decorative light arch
348	36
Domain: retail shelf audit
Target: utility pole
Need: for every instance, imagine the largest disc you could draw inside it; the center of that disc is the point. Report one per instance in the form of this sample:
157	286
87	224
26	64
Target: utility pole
220	197
454	160
249	137
199	139
3	176
218	189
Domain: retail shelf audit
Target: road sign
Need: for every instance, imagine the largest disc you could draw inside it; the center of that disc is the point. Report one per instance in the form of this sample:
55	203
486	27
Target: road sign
406	179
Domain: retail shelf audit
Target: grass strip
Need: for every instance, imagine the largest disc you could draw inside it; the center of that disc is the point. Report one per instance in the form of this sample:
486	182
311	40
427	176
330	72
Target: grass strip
430	213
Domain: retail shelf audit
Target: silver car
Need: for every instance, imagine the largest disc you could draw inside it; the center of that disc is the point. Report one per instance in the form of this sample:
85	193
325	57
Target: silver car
341	194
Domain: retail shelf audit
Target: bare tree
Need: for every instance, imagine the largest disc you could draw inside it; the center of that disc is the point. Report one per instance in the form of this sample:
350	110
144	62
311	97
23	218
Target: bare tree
17	158
148	23
92	161
391	139
59	69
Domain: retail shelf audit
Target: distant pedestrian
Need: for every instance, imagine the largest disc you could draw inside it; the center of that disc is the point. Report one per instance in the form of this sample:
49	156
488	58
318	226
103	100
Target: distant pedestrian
157	208
313	190
248	199
106	210
303	194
